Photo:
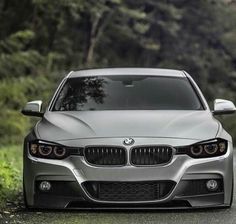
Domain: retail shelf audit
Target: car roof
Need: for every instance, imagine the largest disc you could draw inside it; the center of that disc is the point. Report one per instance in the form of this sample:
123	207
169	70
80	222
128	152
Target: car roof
127	71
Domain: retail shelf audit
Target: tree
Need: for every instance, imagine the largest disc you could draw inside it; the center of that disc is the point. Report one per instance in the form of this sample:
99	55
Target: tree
41	39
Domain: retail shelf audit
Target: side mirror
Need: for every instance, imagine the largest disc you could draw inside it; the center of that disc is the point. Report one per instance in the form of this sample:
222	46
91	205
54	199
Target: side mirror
33	108
223	107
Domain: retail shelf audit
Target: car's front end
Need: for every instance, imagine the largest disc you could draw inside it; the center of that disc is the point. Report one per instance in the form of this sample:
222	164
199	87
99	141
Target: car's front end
128	159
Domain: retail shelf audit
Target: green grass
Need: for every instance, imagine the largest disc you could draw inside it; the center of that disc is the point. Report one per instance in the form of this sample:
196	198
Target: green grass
10	173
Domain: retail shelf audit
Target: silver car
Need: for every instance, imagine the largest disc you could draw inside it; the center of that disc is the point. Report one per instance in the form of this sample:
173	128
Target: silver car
128	138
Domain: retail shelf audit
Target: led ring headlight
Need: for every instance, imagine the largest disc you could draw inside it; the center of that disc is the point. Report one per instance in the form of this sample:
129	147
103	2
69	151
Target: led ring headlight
45	150
196	150
211	149
49	150
59	151
204	149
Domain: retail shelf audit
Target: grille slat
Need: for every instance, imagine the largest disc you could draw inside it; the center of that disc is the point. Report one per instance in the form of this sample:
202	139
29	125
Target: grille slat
101	155
151	155
129	191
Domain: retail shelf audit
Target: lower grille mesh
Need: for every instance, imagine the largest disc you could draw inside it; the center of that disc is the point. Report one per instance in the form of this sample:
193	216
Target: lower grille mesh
129	191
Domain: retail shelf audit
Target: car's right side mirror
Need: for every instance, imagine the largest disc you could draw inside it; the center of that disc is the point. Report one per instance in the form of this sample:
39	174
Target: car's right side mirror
33	108
223	107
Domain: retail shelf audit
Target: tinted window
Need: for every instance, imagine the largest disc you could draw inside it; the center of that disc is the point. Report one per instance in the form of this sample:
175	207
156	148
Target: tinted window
127	92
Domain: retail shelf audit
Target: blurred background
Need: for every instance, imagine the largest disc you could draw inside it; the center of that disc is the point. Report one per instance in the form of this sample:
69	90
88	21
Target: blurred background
42	40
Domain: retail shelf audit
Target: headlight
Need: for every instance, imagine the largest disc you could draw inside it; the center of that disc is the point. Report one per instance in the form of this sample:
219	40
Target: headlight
59	151
211	148
45	150
196	150
48	150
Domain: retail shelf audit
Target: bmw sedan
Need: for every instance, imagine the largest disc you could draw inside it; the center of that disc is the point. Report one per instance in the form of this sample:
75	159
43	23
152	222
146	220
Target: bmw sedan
128	138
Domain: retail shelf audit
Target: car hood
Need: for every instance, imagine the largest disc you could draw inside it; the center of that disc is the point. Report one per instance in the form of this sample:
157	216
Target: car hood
199	125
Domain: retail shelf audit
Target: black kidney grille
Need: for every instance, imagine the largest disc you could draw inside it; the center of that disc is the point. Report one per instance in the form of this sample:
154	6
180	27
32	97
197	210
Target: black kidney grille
151	155
105	155
129	191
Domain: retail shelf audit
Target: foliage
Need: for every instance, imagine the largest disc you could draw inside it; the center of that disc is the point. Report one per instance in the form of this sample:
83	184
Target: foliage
10	172
14	93
41	39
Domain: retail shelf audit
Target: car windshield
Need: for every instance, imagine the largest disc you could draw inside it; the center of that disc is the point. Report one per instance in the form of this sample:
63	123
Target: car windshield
127	92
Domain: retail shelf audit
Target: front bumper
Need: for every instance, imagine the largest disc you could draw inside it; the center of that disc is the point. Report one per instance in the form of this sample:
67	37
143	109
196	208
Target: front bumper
182	170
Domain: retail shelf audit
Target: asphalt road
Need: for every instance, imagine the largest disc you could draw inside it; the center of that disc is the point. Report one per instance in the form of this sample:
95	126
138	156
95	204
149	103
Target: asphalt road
206	216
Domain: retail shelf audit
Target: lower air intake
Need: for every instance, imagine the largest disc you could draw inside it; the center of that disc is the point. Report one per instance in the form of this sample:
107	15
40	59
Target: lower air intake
129	191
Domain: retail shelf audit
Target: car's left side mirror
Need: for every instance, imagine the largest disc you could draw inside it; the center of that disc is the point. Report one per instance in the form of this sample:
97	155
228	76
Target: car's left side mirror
33	108
223	107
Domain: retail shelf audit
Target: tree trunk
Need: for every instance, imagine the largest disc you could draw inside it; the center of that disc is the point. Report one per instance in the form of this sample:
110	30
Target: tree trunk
90	51
92	41
97	27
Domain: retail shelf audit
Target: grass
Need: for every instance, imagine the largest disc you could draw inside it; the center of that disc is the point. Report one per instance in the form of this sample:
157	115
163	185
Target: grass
10	173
